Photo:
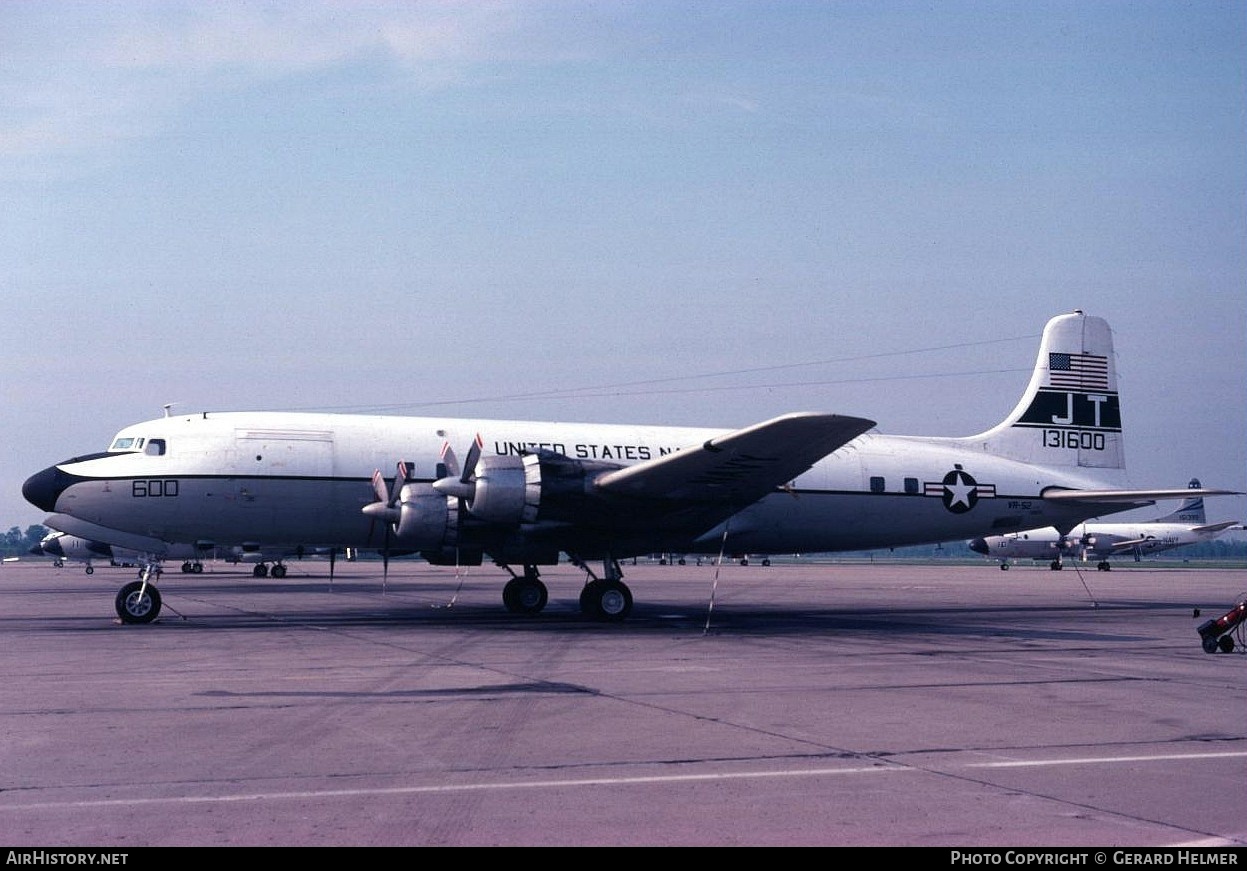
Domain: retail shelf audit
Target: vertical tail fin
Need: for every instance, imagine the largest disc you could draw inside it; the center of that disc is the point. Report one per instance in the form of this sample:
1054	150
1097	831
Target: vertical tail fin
1190	511
1069	414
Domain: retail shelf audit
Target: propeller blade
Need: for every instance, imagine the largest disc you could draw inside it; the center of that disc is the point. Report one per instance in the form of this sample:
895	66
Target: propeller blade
458	481
378	486
449	461
474	456
401	477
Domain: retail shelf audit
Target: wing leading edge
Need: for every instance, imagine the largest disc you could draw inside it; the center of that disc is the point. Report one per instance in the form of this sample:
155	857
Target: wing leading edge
739	467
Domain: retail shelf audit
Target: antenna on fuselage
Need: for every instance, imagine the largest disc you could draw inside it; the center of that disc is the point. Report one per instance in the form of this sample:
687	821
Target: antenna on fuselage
167	406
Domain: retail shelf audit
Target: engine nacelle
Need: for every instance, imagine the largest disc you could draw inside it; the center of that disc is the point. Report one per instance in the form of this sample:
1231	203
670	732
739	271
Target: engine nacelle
538	487
507	489
425	517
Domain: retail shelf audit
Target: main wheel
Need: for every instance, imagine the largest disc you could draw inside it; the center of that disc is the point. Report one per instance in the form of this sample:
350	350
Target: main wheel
609	601
136	604
525	595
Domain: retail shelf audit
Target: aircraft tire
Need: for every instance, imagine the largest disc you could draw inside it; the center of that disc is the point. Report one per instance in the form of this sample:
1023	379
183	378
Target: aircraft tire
608	601
525	596
135	607
90	570
278	571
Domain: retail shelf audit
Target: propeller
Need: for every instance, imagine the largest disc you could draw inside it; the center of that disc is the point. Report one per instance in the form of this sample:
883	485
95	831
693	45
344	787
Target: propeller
459	482
386	509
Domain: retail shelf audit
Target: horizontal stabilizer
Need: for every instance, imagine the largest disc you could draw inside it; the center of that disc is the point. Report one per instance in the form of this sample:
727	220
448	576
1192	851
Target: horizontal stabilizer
1219	527
1134	497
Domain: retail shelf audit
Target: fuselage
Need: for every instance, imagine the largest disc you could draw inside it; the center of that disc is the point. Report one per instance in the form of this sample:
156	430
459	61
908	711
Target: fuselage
277	479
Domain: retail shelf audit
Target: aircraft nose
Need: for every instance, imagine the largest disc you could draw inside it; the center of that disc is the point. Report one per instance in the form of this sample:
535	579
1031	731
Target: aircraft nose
42	489
978	545
49	548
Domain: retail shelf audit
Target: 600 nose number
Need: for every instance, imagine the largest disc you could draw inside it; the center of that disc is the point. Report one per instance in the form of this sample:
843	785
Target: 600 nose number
154	488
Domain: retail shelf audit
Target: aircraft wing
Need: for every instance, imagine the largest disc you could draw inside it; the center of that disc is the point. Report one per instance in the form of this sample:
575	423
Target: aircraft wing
739	467
1126	544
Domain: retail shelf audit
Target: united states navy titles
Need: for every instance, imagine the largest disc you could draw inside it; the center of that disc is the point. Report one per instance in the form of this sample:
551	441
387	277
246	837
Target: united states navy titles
1094	857
64	857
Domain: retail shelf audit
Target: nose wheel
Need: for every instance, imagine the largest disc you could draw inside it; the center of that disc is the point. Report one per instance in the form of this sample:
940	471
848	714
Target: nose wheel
138	602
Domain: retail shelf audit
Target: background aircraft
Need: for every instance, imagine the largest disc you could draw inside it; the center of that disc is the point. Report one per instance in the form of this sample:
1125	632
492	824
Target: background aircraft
1103	541
63	547
529	491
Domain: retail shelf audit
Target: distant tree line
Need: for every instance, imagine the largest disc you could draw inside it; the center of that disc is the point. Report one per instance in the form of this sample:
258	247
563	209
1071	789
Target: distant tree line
18	543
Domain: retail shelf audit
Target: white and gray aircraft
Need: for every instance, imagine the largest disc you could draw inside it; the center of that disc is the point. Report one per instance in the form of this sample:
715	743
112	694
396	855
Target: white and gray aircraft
1104	541
529	491
63	547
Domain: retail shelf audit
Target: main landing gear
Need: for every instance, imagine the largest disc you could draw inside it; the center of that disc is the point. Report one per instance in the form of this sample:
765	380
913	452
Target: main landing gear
262	570
139	601
526	593
606	599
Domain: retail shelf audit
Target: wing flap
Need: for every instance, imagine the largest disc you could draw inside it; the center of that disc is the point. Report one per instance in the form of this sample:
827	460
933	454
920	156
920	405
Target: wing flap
738	467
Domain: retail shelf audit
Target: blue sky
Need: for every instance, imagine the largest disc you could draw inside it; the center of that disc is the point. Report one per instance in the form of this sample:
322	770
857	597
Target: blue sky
659	212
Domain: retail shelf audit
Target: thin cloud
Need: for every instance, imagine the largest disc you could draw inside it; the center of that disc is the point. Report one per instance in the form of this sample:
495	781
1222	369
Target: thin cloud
79	77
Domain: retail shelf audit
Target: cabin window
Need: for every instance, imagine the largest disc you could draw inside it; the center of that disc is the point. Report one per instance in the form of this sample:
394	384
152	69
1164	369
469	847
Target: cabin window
911	485
155	448
876	484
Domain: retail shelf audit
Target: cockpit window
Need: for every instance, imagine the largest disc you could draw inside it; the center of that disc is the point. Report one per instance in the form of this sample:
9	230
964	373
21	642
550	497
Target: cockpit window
135	444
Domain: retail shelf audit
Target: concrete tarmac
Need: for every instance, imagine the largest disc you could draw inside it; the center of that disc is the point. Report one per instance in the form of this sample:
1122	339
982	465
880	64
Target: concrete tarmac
795	705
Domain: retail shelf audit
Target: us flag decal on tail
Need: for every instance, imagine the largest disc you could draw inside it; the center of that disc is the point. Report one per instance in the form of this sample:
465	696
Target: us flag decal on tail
1078	371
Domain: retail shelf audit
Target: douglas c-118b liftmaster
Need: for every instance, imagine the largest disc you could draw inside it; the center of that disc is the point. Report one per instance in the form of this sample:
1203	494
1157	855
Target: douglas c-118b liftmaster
528	491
